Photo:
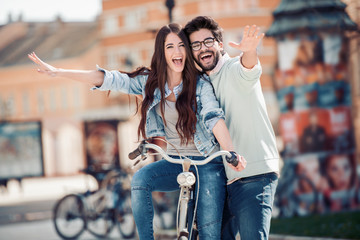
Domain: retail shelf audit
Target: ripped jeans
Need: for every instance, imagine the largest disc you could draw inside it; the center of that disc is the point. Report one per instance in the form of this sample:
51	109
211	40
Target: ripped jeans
161	176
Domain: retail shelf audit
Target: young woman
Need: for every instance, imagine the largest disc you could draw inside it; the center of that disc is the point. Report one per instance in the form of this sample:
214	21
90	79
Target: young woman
180	106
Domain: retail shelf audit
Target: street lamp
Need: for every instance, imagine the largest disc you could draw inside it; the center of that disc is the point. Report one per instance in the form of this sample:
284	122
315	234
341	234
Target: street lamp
170	4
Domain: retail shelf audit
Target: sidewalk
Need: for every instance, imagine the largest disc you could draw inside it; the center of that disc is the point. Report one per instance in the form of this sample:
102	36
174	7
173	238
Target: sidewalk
40	194
39	189
35	198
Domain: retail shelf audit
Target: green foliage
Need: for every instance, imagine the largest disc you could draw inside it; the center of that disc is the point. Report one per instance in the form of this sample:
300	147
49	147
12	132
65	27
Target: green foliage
335	225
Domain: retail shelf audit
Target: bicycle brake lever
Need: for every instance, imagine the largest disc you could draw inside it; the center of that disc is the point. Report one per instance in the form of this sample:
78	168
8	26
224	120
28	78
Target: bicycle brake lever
143	158
136	163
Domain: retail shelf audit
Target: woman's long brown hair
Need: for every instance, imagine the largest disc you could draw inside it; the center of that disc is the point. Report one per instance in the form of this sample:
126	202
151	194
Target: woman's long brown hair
157	76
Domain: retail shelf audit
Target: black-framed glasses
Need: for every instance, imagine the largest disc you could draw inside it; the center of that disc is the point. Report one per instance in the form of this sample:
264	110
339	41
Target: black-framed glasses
208	42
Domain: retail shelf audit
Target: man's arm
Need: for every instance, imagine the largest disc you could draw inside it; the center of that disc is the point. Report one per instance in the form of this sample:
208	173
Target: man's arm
249	59
250	41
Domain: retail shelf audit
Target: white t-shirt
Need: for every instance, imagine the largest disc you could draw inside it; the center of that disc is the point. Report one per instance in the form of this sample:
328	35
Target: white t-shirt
172	136
240	95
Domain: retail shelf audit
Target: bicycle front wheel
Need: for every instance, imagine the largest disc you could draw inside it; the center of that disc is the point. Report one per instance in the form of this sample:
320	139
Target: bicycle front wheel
99	218
125	219
68	217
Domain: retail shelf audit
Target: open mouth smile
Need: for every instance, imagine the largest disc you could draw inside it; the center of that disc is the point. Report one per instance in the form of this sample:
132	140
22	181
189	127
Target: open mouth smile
177	61
206	57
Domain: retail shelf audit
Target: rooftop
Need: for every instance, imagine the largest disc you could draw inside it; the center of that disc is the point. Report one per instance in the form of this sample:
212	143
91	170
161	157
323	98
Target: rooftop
310	16
51	40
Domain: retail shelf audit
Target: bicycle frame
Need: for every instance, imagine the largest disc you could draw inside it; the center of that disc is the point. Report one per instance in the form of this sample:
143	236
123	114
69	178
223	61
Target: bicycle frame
185	179
96	211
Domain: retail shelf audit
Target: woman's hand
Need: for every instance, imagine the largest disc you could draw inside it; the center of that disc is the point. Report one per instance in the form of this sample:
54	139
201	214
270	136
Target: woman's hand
241	165
43	67
93	77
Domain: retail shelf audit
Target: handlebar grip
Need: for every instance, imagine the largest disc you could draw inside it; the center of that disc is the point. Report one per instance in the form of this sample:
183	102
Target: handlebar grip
233	160
134	154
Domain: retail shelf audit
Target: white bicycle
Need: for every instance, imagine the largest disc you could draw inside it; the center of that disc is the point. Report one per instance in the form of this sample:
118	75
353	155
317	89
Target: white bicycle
186	180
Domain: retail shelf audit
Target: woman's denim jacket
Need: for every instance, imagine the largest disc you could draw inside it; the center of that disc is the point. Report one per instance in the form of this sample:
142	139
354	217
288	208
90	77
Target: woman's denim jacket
208	109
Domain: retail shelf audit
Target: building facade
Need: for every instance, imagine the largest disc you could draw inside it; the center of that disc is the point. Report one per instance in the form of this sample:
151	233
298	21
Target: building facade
60	104
128	29
121	38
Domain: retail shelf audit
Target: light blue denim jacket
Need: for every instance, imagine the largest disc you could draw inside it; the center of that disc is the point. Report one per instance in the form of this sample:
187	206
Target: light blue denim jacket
208	109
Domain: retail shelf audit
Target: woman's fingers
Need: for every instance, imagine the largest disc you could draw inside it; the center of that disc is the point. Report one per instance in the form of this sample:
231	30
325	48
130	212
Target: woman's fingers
34	58
43	67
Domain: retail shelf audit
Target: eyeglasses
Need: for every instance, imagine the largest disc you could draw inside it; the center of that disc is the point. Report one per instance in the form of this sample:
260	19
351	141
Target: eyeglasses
208	42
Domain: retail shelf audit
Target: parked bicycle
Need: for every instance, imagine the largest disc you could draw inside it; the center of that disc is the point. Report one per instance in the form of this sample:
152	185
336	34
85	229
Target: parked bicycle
97	211
186	180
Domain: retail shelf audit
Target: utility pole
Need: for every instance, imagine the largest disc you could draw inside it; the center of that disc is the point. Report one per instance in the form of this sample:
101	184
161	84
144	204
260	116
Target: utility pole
170	4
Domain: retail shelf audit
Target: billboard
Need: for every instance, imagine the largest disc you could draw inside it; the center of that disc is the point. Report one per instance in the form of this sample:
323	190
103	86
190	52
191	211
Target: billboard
314	95
101	144
20	150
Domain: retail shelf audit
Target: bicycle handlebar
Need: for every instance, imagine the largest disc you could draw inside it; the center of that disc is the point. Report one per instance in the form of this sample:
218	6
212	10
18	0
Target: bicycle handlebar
145	146
137	152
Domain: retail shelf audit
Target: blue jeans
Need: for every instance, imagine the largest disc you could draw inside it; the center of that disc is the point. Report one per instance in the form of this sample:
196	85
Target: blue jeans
161	176
249	206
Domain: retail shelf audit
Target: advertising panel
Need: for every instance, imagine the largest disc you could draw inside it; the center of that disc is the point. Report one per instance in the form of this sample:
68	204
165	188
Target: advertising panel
101	144
319	173
20	150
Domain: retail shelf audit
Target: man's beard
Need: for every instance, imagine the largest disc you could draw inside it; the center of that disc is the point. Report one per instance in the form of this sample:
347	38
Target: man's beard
212	65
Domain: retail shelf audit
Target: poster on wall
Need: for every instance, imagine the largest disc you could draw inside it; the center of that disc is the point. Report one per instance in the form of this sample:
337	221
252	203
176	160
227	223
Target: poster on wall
20	150
101	144
319	173
316	183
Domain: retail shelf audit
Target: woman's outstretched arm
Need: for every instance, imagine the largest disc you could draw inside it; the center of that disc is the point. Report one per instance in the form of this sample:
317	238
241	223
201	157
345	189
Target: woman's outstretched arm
93	77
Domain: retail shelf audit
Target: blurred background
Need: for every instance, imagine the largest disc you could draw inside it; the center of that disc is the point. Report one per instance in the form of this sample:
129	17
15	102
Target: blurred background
52	128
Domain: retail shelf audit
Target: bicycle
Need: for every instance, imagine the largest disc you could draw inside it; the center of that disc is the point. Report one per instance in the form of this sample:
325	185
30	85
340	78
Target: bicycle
97	211
186	180
164	212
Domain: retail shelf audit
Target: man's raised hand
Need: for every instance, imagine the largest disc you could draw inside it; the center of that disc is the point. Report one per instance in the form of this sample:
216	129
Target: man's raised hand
250	41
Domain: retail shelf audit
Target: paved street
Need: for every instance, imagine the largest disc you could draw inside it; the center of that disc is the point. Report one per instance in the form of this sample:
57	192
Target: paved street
40	230
29	211
44	230
25	214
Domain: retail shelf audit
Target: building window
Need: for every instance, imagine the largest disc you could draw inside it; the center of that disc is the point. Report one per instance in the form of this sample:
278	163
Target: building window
52	99
215	7
26	103
41	102
76	99
7	107
110	25
134	19
2	109
64	98
10	108
112	62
